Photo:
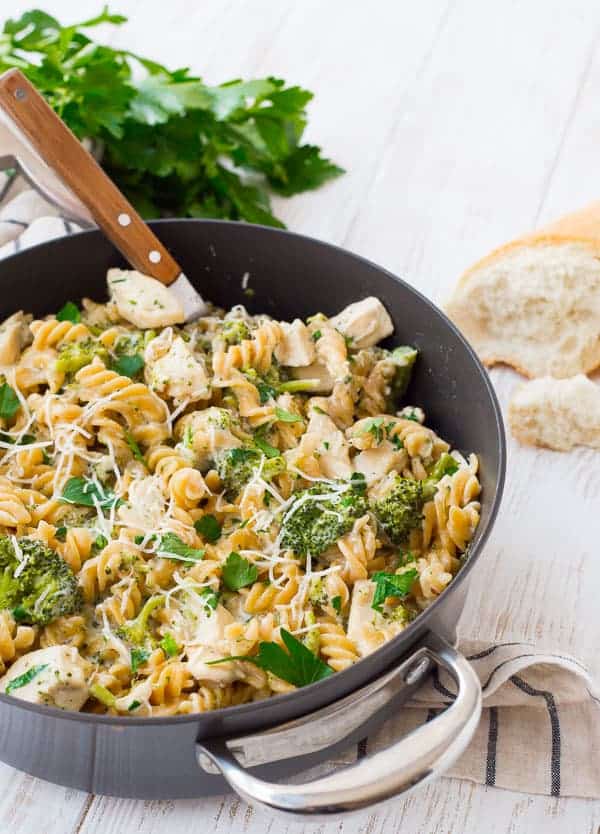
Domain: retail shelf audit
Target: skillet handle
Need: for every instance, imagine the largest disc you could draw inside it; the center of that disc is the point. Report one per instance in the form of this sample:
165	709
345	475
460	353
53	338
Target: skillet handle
49	138
423	754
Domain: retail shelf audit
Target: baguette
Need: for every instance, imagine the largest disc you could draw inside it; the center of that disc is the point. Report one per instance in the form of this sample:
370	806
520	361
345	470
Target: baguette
534	303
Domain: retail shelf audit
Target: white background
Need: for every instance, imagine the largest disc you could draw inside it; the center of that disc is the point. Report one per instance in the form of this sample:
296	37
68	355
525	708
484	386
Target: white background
460	124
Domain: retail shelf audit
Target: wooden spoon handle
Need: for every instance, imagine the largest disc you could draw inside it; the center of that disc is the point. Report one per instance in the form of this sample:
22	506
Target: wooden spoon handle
61	150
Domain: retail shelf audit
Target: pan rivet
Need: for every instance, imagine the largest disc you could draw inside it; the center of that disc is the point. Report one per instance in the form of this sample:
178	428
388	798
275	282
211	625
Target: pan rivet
416	671
124	219
154	257
20	93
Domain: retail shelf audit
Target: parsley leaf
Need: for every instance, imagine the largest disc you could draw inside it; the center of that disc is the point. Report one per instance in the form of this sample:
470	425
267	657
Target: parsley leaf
9	402
133	705
375	428
208	527
169	645
100	542
266	392
298	666
135	449
336	604
70	312
391	585
238	572
25	440
128	364
209	597
171	547
25	678
138	658
173	144
19	613
287	416
83	492
266	448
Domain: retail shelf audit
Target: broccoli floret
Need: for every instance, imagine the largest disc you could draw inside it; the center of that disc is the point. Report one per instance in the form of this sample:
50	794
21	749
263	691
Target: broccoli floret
136	631
312	638
75	355
236	467
219	417
235	331
317	595
403	358
133	342
401	510
319	515
37	584
446	465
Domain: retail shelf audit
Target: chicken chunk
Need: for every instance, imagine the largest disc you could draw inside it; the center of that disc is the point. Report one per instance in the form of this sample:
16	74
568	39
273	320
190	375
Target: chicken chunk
365	322
138	699
296	349
322	381
376	462
55	676
210	643
324	441
142	300
14	336
173	371
145	507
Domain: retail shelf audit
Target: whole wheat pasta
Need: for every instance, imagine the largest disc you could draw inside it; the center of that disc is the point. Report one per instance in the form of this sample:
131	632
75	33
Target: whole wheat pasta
234	501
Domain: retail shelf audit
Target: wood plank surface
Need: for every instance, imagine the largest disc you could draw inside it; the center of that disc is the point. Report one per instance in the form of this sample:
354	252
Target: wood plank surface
460	124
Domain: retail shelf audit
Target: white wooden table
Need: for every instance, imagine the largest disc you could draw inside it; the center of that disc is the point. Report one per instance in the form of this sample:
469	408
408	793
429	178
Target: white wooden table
461	123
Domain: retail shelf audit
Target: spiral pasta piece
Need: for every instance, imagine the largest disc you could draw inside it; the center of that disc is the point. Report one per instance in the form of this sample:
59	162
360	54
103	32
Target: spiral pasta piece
358	548
51	333
336	648
256	352
15	640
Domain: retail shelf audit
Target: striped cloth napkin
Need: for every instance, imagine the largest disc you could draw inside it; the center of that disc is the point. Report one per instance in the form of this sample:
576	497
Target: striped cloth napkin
540	730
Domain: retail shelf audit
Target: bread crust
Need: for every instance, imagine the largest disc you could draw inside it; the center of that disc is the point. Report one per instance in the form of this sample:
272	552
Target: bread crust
579	227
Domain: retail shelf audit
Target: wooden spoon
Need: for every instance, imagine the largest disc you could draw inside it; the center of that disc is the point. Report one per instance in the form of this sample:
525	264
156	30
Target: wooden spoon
41	137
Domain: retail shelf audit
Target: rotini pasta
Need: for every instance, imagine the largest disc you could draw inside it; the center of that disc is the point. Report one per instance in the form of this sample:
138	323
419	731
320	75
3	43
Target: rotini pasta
185	509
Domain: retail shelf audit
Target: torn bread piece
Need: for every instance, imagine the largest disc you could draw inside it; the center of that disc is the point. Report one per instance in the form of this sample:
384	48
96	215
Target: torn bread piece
557	413
535	303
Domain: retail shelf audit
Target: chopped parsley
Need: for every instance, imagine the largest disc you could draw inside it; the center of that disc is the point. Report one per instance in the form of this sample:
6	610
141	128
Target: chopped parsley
69	312
138	658
135	449
391	585
298	665
25	678
169	645
208	527
9	402
238	572
83	492
128	364
171	547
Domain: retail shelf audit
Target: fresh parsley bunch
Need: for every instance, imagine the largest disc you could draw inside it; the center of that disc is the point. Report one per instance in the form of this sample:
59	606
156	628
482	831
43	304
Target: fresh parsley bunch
173	144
